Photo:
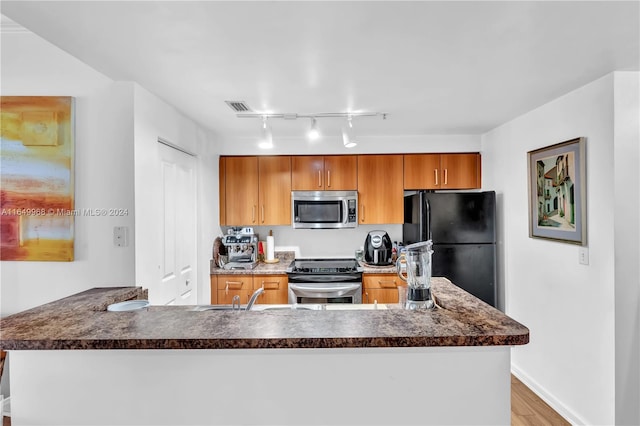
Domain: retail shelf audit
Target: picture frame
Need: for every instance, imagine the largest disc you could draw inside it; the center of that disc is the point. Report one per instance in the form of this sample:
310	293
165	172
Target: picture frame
557	192
37	178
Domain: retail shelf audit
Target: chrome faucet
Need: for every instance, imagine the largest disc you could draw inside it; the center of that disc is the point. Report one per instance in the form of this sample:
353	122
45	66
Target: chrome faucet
253	298
235	303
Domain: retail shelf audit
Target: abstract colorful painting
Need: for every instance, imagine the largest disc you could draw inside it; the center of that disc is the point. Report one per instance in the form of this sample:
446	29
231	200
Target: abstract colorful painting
36	178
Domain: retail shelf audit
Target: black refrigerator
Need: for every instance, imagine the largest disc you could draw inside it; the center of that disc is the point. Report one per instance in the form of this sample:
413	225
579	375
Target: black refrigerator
462	226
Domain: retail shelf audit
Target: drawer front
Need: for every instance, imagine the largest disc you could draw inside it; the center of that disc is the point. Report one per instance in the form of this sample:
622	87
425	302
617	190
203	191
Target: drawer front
235	282
270	282
380	295
390	281
225	297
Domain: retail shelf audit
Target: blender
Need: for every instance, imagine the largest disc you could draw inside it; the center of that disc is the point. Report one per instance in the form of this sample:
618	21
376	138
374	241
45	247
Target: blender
418	266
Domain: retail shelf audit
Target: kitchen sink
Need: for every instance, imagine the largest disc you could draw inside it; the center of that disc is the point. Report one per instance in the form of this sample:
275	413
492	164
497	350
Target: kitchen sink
305	307
292	307
201	308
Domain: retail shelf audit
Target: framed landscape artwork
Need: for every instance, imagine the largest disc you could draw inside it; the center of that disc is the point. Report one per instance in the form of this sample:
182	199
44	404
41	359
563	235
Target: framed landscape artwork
36	177
557	192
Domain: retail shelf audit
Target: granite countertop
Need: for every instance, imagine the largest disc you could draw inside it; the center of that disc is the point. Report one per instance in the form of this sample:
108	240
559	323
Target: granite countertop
81	321
284	260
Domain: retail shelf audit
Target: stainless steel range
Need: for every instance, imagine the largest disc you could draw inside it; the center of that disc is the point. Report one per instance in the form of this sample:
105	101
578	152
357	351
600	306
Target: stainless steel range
325	281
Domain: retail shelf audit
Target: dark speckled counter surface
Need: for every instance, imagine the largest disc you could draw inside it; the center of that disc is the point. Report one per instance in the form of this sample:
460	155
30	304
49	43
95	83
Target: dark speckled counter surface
81	321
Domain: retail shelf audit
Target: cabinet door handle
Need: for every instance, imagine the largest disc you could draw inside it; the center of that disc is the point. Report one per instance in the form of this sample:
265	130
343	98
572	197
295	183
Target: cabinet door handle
435	173
366	296
263	213
233	284
253	214
362	217
387	283
270	285
328	178
445	176
319	178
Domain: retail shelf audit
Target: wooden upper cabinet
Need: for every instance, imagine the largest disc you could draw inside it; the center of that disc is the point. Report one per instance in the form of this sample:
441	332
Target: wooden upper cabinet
380	191
460	171
422	171
257	190
318	173
341	172
241	191
307	173
222	173
442	171
274	190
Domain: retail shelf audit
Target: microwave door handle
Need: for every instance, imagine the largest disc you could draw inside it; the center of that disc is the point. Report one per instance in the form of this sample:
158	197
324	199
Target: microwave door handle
345	212
324	289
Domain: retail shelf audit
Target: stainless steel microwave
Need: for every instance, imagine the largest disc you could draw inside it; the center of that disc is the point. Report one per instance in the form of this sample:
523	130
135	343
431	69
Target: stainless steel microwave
324	209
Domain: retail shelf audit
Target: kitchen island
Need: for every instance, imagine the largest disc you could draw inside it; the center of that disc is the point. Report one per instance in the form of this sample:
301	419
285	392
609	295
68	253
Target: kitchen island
74	362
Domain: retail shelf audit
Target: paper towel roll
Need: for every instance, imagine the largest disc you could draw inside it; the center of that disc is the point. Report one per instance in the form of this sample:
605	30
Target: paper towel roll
270	248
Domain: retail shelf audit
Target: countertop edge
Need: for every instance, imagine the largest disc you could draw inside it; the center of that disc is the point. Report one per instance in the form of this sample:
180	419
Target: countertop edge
268	343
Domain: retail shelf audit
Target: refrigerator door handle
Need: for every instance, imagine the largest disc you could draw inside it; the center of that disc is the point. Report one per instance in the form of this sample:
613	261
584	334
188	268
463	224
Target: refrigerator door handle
428	231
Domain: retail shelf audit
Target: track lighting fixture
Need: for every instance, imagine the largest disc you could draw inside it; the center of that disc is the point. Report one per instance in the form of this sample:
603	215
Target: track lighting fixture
348	135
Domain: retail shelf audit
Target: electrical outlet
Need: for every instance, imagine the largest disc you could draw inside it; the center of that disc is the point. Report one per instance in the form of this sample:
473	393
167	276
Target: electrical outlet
583	255
120	236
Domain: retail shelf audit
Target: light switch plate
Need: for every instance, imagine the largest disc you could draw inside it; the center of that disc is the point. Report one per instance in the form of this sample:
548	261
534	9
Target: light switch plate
120	236
583	255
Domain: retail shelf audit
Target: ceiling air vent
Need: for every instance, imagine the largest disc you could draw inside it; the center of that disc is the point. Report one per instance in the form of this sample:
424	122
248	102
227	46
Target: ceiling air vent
238	106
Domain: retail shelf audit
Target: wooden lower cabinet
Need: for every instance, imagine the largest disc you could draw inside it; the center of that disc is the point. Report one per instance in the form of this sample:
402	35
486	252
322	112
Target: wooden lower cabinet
234	285
380	295
214	289
382	288
224	287
276	288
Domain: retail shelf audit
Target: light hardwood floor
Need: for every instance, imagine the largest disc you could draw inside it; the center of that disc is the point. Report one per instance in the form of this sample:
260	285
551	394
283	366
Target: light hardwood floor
527	409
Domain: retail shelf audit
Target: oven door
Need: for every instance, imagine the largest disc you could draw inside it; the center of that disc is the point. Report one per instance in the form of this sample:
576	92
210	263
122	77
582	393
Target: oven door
325	292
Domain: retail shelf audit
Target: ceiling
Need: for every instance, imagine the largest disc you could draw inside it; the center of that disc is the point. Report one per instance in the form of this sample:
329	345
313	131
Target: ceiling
435	67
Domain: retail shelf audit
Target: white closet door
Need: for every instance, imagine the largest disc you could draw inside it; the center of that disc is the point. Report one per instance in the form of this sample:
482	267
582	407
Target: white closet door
178	269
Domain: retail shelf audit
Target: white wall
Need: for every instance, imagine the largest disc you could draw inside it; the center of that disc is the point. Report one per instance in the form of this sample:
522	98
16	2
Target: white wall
627	242
568	307
156	119
103	172
366	145
108	117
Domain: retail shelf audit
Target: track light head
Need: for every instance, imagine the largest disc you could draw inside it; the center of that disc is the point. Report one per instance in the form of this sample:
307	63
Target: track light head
313	134
348	136
266	139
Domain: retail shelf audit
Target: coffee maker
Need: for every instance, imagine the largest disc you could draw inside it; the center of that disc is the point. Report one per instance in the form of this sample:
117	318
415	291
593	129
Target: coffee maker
378	248
242	249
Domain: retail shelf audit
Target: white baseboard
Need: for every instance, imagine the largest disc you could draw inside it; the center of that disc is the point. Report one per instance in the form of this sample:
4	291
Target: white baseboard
547	397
